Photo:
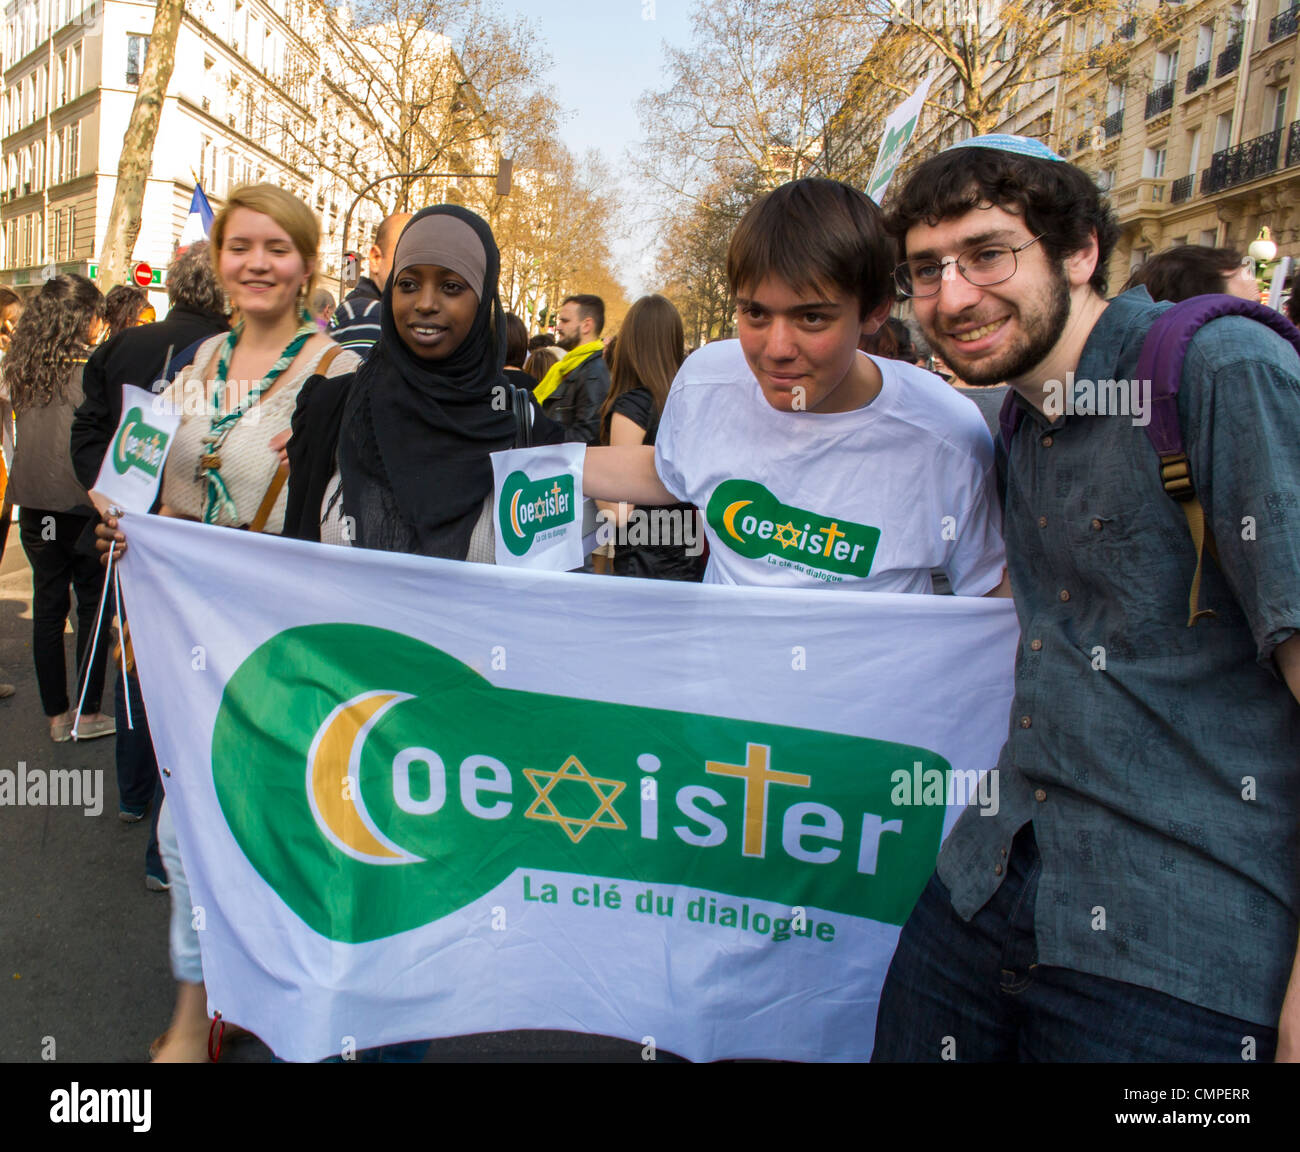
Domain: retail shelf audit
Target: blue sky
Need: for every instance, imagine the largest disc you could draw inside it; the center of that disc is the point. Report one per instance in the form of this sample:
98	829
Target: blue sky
606	54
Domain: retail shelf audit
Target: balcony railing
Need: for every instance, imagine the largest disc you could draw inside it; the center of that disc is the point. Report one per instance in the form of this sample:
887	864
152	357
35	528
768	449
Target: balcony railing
1081	142
1181	189
1293	144
1247	161
1198	77
1284	23
1229	58
1160	99
1128	29
1113	125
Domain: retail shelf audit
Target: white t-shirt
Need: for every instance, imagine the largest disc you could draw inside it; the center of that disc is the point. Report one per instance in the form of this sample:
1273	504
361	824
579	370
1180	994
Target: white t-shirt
871	499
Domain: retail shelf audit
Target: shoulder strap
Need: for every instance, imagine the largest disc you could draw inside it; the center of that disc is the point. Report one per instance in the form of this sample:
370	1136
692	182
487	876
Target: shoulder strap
325	361
1161	362
268	501
523	411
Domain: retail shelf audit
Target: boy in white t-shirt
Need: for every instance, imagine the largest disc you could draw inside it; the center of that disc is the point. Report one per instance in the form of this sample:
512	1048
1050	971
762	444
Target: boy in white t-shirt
815	465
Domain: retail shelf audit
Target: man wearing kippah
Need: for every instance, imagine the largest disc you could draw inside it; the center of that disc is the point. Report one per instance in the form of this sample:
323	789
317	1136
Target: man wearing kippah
1135	896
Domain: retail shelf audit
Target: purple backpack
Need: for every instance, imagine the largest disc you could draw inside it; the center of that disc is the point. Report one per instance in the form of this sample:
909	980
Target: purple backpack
1161	362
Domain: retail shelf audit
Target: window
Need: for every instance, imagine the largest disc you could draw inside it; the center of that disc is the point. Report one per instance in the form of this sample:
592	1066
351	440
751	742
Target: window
56	158
1167	65
1236	19
1222	131
1204	43
61	81
1193	151
74	79
38	165
137	49
1279	109
72	152
1153	163
1210	237
72	233
1106	179
42	89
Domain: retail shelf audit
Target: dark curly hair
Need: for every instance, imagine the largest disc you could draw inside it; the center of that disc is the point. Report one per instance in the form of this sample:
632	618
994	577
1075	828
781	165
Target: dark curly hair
50	340
123	305
1058	201
1189	270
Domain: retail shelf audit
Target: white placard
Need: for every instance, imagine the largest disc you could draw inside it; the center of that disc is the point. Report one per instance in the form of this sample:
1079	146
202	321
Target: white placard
537	507
899	129
133	464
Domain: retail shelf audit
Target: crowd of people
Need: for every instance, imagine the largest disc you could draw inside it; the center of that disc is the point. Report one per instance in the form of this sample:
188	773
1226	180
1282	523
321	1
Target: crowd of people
1119	781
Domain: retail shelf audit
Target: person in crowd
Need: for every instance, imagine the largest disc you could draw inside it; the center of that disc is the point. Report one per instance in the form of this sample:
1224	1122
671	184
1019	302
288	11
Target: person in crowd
541	340
321	307
517	353
127	306
1293	303
355	325
1135	895
1195	270
11	308
42	372
226	470
415	426
576	387
650	349
540	361
143	356
792	416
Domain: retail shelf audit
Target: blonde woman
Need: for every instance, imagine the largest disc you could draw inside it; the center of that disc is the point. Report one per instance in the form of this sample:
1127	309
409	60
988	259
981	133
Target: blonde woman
225	466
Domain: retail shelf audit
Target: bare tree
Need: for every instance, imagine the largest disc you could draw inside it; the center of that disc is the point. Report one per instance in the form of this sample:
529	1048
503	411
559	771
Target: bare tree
137	145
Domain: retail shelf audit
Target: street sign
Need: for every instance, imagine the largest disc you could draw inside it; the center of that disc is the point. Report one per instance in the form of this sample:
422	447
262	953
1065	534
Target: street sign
142	274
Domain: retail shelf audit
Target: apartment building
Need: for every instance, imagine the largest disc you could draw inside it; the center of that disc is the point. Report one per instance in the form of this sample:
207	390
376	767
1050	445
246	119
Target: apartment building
262	90
1197	138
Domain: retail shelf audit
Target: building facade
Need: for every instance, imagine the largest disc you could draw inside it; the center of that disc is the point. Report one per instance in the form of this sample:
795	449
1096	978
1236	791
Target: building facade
262	90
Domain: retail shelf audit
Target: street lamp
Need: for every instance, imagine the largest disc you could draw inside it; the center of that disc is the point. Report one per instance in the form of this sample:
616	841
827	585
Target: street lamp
503	176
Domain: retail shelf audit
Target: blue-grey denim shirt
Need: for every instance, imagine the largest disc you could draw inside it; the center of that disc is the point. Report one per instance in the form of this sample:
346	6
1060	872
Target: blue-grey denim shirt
1160	764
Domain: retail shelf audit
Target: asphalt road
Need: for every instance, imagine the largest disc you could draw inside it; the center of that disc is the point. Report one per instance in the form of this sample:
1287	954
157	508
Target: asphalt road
84	974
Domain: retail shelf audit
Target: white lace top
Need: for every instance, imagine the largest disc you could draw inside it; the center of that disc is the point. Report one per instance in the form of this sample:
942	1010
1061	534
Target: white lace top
247	462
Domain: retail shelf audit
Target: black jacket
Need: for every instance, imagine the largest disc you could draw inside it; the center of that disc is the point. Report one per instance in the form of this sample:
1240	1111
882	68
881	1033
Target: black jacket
575	404
135	356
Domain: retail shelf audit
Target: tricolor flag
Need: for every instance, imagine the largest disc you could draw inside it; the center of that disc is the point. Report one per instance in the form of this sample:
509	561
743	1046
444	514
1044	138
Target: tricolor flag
198	224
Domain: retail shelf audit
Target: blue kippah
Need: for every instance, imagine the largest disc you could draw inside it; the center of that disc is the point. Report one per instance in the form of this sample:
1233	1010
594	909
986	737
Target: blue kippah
1004	142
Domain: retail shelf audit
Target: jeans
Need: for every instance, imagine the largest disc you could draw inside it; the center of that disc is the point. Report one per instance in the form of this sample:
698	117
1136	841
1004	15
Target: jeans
138	782
50	541
183	940
975	992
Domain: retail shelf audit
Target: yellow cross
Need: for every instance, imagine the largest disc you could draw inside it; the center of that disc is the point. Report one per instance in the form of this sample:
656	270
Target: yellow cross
756	777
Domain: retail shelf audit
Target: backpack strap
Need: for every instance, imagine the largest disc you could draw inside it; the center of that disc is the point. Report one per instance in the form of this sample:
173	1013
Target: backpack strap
1161	362
523	411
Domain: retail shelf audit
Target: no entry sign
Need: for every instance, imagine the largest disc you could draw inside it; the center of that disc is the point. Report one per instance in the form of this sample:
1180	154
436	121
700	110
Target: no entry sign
143	274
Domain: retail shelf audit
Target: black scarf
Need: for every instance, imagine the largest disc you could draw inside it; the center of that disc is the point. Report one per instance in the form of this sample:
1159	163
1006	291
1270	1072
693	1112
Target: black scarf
417	434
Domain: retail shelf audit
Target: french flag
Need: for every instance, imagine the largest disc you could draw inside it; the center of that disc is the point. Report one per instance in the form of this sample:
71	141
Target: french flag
198	225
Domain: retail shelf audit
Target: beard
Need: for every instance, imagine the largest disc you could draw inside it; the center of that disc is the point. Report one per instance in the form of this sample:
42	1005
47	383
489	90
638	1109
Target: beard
569	343
1040	331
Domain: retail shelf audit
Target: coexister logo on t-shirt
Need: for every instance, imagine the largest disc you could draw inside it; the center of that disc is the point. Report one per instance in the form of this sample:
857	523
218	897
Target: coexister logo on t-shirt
754	523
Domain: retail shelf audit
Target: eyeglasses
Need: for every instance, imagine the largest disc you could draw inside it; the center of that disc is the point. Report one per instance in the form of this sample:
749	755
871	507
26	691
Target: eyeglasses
983	265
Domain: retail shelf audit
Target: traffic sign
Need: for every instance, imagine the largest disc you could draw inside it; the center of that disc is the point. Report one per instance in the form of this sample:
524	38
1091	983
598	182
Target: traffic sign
142	274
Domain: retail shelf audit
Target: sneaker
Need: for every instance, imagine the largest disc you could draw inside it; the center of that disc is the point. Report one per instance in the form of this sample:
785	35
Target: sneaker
156	883
92	728
132	815
61	728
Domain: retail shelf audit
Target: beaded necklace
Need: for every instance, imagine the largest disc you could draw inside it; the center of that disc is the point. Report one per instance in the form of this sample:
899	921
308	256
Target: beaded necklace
217	499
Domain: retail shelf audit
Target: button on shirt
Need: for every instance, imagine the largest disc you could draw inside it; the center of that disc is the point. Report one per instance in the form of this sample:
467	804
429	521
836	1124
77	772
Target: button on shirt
1161	769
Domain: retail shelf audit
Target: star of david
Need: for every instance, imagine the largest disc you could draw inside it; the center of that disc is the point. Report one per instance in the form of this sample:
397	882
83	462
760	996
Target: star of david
574	827
779	536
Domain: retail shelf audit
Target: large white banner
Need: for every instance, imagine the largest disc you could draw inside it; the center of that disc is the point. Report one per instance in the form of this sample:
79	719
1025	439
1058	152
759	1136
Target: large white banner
418	798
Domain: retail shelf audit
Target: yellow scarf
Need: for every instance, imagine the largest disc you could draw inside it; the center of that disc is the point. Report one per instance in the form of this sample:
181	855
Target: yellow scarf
561	368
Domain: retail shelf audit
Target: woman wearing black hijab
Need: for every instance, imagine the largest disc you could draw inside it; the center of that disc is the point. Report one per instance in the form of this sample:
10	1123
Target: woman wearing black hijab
415	426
